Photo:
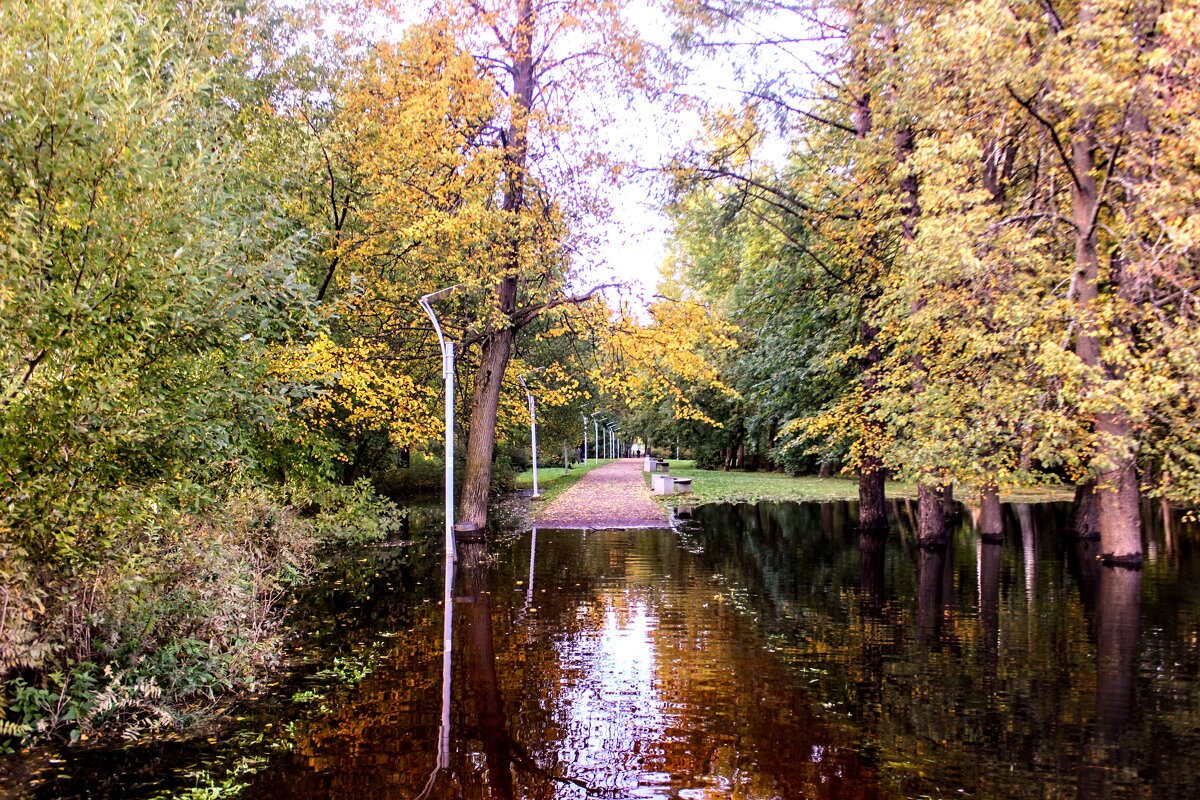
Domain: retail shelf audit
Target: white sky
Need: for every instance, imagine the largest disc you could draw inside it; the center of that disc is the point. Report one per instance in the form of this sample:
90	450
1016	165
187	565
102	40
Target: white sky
637	233
633	239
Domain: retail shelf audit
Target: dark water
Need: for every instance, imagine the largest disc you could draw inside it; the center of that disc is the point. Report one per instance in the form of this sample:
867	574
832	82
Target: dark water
758	652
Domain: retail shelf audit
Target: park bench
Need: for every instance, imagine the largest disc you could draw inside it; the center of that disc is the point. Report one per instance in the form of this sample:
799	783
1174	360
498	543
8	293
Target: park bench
662	484
683	485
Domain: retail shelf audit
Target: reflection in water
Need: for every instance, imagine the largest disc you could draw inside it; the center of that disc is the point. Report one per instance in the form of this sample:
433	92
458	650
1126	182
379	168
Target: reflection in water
989	600
1025	520
759	652
931	573
871	548
1116	667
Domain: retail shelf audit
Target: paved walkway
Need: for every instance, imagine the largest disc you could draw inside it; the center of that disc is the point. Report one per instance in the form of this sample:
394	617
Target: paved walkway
612	496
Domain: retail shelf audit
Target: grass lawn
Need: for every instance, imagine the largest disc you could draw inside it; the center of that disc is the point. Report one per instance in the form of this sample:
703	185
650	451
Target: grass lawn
716	486
552	481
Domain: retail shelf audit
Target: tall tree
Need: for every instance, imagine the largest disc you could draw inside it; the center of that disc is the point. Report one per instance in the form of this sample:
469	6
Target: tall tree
539	54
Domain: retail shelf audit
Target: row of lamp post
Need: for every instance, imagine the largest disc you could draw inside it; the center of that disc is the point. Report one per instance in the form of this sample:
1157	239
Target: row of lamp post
610	443
612	449
604	439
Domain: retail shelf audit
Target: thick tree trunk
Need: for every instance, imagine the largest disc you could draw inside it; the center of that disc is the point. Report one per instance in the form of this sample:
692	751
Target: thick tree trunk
872	475
950	507
931	530
1114	460
991	521
1117	495
497	345
872	511
481	442
1085	513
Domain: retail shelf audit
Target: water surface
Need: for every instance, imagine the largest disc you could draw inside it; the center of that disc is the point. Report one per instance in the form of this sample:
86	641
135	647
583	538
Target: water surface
755	652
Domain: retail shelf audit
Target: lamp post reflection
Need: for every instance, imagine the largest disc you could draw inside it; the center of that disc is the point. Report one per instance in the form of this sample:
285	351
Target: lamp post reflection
443	751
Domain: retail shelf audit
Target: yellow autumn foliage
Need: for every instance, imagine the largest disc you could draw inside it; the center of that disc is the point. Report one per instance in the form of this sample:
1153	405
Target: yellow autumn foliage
357	391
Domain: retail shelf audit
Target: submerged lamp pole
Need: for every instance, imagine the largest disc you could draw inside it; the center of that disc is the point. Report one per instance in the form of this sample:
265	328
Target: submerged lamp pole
532	432
447	347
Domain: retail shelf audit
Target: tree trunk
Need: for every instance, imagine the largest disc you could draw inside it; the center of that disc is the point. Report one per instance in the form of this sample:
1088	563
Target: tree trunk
497	345
1085	513
931	531
481	441
991	521
872	512
1114	460
1117	495
768	458
950	507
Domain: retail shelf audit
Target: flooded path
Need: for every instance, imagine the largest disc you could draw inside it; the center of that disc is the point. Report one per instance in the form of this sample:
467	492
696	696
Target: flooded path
612	496
762	651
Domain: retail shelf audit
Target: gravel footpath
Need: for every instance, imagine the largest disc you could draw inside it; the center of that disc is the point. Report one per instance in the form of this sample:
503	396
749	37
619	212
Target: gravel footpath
612	496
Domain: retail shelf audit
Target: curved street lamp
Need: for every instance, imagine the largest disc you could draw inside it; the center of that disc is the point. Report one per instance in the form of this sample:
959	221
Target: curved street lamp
447	347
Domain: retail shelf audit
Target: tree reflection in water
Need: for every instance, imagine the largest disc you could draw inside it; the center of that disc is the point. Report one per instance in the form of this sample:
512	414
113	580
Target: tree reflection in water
759	652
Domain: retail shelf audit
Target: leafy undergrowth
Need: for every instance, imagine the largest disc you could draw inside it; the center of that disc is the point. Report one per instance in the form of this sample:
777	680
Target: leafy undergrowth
716	486
167	616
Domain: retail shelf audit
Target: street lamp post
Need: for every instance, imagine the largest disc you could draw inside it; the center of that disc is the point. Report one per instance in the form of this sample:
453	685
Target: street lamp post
532	433
447	347
585	439
595	437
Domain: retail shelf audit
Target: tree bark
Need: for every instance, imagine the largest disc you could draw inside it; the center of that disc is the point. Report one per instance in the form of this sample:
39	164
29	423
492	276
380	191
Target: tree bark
872	510
1114	460
872	475
931	530
497	345
991	521
950	507
1085	513
481	441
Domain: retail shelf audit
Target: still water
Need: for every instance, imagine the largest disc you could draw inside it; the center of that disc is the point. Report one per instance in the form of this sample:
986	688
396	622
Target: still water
762	651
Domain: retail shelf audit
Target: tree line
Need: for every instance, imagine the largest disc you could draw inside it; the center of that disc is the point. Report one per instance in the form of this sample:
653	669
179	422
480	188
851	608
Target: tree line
218	219
978	266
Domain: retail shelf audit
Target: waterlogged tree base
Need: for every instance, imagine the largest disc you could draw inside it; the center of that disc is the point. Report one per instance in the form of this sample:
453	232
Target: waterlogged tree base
1127	561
